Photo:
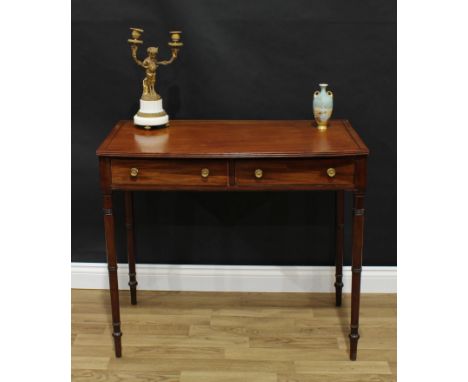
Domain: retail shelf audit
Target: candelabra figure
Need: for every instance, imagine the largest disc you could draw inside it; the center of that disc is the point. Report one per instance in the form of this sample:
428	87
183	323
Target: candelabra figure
151	113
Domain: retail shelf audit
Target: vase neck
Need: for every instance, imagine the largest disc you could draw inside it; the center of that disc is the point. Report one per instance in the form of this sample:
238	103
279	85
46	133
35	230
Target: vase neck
323	88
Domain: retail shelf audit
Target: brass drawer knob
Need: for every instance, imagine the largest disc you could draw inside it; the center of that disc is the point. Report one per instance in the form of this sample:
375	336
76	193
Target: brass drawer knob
205	173
331	172
133	172
259	173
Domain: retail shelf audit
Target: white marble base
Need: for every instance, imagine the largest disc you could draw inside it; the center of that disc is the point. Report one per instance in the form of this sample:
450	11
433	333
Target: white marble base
154	121
151	113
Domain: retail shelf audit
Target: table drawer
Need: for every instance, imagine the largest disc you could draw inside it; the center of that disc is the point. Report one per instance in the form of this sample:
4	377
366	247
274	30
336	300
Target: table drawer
164	172
308	172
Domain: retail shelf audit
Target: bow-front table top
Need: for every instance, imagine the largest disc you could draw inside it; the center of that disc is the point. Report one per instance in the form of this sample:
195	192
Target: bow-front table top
234	139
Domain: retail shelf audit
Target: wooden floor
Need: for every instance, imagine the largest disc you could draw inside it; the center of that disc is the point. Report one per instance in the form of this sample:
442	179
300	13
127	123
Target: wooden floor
231	337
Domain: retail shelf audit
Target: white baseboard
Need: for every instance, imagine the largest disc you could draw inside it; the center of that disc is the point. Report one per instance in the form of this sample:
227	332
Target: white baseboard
234	278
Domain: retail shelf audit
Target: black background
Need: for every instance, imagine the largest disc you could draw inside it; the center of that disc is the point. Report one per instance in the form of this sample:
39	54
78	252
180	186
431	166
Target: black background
241	60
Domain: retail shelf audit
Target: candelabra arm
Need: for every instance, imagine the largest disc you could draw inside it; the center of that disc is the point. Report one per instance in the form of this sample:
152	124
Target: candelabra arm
171	60
134	49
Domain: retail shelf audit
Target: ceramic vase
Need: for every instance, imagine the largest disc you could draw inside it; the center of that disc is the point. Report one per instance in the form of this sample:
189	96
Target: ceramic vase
323	106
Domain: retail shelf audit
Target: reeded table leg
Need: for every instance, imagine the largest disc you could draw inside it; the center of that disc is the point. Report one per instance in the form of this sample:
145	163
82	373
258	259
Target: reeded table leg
356	268
130	245
339	246
112	267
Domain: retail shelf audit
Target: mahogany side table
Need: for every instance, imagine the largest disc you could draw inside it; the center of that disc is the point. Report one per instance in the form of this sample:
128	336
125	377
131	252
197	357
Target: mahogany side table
230	156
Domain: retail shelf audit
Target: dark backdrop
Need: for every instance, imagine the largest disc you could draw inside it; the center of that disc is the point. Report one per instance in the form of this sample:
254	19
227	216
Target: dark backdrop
241	60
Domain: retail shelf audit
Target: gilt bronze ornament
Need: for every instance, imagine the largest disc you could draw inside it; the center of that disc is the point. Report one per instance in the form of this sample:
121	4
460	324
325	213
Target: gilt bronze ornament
151	113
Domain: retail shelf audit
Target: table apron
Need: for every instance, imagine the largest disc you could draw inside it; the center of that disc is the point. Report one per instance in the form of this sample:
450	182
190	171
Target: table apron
282	174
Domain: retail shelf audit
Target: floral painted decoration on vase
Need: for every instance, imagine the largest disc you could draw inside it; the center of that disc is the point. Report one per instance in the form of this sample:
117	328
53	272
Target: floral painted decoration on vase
323	106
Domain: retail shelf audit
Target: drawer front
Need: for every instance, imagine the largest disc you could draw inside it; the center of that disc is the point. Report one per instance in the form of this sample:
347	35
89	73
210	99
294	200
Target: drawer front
169	173
295	172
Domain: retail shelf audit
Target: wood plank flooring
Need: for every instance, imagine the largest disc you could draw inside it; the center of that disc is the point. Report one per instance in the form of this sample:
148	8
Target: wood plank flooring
232	337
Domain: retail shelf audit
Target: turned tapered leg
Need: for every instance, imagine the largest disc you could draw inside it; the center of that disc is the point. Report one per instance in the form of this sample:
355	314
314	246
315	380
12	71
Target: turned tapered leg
356	268
339	246
112	267
130	245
